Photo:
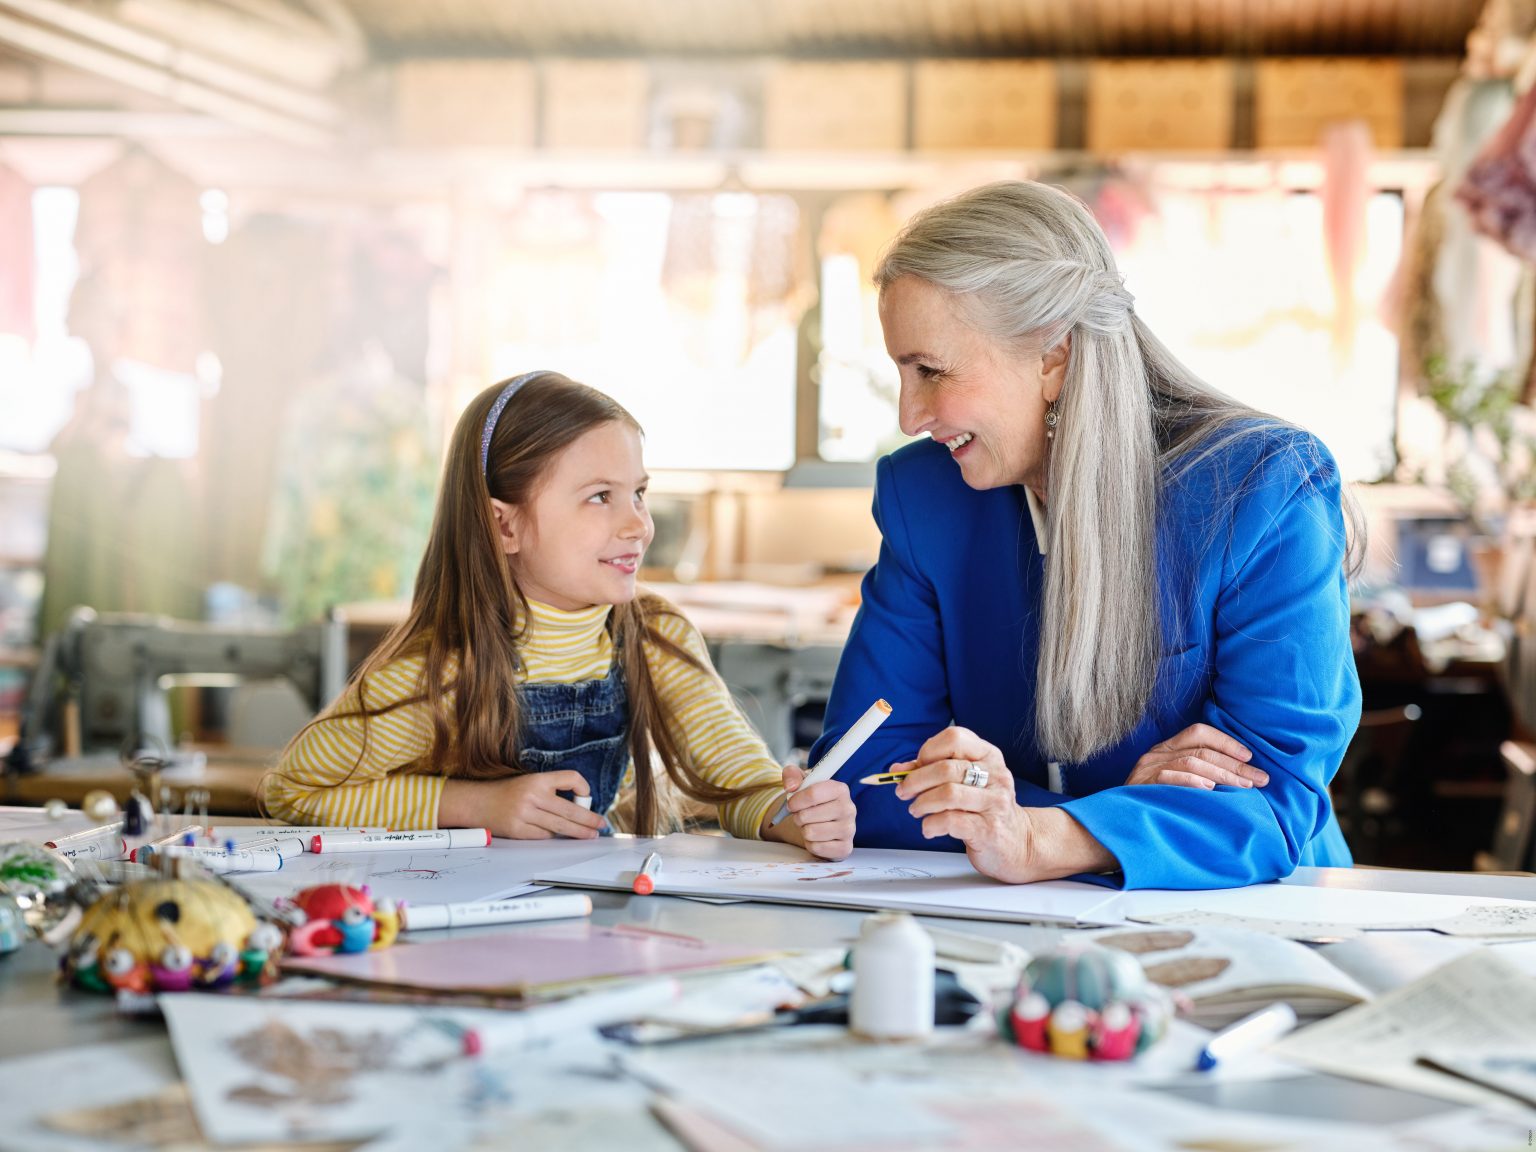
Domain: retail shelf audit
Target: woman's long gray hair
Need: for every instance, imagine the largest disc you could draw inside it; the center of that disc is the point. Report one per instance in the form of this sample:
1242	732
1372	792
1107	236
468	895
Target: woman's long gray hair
1028	266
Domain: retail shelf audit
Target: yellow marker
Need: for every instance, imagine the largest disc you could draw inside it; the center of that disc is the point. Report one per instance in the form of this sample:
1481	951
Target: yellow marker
886	778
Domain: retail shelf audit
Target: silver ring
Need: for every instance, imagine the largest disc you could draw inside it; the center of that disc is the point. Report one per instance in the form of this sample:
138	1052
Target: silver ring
975	776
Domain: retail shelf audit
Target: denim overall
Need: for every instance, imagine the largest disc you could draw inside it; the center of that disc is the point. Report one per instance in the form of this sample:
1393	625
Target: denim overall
583	727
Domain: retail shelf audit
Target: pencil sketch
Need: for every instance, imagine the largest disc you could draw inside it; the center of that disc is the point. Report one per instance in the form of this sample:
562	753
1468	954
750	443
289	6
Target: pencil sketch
276	1071
799	870
444	876
1510	920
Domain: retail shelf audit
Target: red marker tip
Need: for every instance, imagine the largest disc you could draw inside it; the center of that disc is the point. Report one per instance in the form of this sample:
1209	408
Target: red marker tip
644	885
314	843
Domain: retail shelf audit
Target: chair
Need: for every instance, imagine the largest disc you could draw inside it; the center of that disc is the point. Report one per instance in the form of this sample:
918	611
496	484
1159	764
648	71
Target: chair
1365	789
1514	837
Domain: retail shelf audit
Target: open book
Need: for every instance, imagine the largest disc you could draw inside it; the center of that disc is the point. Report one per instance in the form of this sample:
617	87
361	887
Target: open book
1224	974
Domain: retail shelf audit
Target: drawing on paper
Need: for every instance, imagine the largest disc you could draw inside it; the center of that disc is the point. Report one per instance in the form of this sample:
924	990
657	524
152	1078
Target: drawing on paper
1138	943
1490	920
433	866
1178	972
801	870
1186	970
261	1073
297	1070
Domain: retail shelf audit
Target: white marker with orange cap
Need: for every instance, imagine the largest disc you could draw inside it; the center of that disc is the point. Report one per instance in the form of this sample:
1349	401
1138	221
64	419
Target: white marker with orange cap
645	882
401	841
841	752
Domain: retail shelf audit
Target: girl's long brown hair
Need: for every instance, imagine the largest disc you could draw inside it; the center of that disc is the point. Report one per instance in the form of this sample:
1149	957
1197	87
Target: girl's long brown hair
466	607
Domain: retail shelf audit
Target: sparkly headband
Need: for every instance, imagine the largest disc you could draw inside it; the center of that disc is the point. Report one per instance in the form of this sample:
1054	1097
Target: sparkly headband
494	415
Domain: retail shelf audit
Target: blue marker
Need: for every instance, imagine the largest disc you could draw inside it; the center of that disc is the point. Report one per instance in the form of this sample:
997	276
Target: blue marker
1253	1031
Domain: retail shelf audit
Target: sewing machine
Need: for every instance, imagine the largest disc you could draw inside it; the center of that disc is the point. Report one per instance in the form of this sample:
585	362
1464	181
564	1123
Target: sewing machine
113	671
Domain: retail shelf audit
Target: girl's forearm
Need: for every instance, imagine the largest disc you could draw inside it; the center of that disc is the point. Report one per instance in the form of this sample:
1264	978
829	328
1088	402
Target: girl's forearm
463	803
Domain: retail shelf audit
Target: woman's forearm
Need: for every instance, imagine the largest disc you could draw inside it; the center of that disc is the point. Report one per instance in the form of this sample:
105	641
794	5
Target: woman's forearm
1063	847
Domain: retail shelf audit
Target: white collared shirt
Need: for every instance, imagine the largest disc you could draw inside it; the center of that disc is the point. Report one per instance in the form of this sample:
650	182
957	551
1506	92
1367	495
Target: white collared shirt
1037	514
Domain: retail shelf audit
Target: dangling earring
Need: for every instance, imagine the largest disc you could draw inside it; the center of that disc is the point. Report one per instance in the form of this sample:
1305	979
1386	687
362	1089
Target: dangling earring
1052	418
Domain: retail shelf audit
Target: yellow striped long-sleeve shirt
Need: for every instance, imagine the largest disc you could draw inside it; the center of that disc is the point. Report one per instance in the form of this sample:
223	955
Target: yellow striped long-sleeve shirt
330	775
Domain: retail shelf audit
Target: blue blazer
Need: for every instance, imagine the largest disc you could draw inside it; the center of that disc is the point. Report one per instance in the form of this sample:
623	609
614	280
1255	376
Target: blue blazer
1256	641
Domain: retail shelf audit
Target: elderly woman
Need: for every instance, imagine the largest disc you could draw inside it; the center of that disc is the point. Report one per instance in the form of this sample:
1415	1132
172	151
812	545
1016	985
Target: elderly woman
1109	609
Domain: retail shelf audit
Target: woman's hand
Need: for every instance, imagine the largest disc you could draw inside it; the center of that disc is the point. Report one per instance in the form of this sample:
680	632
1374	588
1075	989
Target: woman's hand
998	834
1198	757
820	820
522	807
1002	839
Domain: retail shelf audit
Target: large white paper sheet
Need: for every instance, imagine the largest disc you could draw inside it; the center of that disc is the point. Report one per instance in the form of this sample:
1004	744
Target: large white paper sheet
794	1101
442	876
932	883
1472	1004
75	1078
273	1070
1270	907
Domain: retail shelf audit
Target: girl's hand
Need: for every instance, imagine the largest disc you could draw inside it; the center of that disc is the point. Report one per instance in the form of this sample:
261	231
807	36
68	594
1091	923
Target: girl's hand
522	807
1198	757
999	835
820	819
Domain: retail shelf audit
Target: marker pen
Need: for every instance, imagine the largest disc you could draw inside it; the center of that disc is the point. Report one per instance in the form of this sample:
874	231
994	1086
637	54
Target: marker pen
590	1010
284	846
1253	1031
400	841
645	883
112	833
185	836
218	860
840	753
102	848
420	917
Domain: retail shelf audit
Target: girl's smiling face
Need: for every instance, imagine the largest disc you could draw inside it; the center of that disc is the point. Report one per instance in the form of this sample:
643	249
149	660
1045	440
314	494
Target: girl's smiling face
579	541
983	400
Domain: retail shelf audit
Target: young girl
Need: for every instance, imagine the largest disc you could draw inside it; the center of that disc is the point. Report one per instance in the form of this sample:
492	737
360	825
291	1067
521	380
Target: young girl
529	674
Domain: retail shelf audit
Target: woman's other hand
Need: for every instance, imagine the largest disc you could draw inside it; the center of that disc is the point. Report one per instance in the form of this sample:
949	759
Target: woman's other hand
523	807
1198	757
821	818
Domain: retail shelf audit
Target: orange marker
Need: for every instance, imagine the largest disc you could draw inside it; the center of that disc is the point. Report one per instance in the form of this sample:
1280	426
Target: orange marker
644	884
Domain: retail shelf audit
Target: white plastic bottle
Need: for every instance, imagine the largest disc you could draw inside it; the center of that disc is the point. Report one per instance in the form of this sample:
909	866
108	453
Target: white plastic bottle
892	979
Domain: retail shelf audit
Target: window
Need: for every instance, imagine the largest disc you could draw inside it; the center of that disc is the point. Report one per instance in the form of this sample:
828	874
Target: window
682	307
1239	283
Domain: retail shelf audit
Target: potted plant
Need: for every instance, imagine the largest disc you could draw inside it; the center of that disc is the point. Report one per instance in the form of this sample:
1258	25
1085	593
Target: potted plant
1488	450
1490	438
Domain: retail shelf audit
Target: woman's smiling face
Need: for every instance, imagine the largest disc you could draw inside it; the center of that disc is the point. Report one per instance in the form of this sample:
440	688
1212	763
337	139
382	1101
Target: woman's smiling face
984	400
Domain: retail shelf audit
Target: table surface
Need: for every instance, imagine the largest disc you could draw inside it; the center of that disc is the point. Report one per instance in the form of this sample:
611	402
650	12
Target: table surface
42	1016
